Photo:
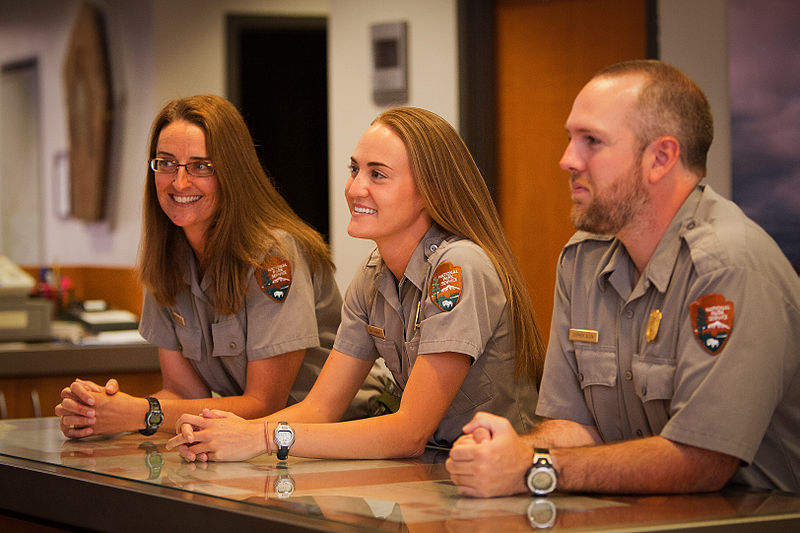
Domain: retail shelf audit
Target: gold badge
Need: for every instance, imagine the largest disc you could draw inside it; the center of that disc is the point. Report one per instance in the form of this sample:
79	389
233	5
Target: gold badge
375	331
178	318
583	335
652	325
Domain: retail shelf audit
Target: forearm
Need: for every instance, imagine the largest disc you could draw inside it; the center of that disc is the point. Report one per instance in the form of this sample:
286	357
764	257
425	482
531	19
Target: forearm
552	433
308	411
174	406
384	437
651	465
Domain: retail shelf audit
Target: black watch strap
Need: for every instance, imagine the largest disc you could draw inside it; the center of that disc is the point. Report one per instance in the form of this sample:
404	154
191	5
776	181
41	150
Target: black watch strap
153	418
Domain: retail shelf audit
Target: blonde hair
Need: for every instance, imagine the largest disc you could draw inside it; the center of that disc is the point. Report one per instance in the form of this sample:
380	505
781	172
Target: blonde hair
443	171
243	228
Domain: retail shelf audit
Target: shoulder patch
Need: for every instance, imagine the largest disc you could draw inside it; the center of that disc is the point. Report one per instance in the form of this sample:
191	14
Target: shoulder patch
446	286
712	321
275	277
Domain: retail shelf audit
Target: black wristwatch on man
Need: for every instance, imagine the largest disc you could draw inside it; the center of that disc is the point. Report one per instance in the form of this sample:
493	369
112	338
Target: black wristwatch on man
541	478
153	418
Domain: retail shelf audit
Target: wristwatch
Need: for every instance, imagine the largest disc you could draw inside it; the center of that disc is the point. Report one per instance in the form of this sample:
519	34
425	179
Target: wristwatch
541	477
153	459
153	418
283	438
542	513
283	486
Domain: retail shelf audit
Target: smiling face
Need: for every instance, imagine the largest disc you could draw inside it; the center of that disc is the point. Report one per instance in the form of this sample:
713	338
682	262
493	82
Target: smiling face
189	202
604	157
385	205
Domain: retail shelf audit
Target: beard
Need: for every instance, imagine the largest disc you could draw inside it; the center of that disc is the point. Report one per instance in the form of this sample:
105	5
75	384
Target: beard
612	210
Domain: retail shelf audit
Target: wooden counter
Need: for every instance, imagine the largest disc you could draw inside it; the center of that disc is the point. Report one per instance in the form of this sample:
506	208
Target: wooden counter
131	483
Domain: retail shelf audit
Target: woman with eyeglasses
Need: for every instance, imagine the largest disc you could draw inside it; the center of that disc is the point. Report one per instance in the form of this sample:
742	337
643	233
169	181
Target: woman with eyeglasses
240	296
440	299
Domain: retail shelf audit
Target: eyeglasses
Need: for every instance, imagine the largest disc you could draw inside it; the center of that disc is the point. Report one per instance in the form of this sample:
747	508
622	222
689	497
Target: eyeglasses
198	169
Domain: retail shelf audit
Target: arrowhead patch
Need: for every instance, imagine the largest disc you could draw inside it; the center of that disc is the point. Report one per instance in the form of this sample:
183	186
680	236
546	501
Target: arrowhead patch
446	286
275	277
712	321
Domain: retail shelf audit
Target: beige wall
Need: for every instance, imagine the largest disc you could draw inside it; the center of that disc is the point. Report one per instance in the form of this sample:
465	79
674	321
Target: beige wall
433	85
694	37
165	48
40	29
161	49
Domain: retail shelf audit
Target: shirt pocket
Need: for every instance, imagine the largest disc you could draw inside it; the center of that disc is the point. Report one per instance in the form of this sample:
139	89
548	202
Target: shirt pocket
596	366
653	377
597	375
228	338
191	342
654	383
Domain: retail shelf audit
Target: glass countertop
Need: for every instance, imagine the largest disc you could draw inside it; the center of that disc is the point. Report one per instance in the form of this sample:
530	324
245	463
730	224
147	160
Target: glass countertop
392	495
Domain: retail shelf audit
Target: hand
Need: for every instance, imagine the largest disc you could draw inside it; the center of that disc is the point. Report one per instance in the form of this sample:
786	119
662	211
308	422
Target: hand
490	459
76	409
218	436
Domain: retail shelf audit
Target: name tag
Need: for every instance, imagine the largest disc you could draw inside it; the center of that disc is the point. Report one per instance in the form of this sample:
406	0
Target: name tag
583	335
375	331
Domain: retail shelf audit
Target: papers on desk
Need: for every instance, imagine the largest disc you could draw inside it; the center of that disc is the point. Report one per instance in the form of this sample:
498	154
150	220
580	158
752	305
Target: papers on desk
125	336
115	319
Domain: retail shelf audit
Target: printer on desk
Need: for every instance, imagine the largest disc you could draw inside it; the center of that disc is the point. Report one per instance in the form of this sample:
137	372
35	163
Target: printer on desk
22	318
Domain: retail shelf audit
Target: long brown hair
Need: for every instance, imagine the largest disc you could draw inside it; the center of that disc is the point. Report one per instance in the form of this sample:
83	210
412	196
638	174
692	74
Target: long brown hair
457	199
243	227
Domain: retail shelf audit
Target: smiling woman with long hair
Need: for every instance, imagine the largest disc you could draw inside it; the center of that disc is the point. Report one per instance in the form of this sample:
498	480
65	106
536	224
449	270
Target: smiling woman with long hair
440	300
240	296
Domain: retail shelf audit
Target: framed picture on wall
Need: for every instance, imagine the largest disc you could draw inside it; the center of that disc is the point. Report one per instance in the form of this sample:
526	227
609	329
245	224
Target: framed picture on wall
87	83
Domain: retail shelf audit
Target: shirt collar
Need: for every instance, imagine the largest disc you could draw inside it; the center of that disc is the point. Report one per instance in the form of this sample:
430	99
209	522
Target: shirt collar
616	267
660	267
417	268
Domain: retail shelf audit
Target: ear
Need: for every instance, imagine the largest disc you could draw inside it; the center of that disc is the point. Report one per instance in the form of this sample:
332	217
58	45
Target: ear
664	153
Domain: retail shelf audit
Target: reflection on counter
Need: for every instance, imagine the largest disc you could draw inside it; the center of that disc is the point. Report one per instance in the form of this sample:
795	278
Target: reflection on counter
384	495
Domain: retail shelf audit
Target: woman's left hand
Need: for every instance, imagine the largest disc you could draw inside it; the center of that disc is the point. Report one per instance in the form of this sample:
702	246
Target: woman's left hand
218	436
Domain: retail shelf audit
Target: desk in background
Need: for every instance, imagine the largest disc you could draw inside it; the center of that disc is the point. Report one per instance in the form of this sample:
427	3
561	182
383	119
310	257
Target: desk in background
130	483
33	374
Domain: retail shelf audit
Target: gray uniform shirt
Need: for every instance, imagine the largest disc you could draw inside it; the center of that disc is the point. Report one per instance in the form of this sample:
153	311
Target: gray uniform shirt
467	314
220	346
732	387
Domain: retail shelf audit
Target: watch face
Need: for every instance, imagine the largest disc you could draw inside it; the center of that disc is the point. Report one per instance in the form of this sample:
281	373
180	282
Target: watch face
284	437
542	513
542	480
155	419
284	487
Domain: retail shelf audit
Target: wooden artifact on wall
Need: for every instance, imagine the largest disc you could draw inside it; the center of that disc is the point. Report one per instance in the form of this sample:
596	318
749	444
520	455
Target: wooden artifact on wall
89	112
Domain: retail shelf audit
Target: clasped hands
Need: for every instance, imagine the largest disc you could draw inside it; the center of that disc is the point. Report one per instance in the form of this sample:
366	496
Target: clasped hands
490	459
86	409
216	435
